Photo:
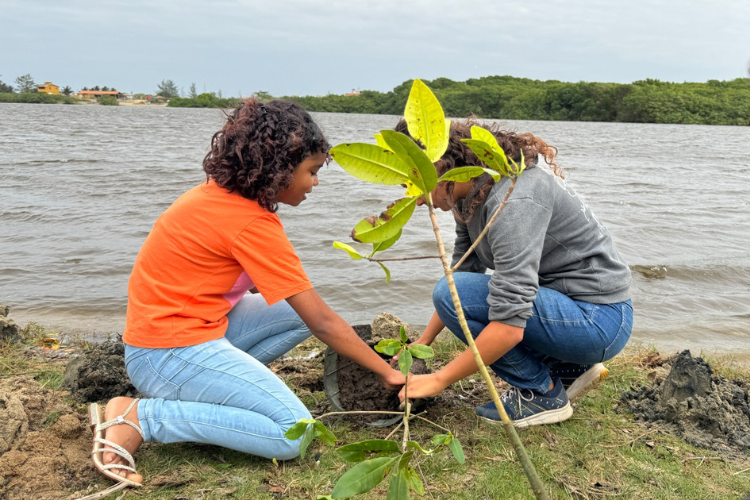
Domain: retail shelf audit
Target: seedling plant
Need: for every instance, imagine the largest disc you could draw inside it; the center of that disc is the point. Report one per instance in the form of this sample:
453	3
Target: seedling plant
397	159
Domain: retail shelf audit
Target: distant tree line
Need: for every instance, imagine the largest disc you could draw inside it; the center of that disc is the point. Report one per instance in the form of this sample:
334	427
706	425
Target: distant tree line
505	97
204	100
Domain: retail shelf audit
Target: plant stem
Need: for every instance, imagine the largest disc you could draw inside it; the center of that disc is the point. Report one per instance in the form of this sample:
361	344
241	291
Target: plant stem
406	424
403	258
486	227
528	467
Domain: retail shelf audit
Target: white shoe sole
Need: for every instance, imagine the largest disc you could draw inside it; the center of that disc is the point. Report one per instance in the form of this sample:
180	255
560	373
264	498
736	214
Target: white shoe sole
547	417
589	380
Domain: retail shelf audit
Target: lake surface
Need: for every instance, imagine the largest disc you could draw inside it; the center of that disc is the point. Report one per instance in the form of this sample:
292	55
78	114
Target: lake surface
81	186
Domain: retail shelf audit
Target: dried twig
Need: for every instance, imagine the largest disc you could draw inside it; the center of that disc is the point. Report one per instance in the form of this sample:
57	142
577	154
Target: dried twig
629	442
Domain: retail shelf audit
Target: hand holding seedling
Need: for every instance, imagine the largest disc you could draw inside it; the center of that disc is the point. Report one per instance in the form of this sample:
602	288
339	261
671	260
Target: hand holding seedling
393	381
422	386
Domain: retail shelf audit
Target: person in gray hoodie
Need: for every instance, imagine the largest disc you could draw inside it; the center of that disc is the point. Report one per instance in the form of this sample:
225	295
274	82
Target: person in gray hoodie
556	302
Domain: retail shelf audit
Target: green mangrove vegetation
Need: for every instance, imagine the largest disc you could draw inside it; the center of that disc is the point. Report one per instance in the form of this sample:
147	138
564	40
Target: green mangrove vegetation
505	97
37	98
205	100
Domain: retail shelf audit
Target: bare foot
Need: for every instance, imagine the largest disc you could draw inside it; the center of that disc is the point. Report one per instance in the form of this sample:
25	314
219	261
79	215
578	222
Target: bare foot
122	434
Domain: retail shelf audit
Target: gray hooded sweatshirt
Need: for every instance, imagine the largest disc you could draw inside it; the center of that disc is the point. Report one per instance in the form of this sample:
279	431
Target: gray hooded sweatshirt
545	236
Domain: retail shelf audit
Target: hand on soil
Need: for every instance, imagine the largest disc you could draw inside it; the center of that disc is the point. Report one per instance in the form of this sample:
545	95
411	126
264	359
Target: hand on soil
393	381
422	386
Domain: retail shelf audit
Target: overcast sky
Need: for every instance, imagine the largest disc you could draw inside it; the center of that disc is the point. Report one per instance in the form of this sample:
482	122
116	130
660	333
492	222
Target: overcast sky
316	47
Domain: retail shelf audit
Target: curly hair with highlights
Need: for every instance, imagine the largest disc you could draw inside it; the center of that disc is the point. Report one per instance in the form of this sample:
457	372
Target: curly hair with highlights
258	148
459	154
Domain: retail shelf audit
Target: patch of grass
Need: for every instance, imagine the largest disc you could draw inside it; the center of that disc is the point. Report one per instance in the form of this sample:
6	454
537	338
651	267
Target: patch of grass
49	378
598	453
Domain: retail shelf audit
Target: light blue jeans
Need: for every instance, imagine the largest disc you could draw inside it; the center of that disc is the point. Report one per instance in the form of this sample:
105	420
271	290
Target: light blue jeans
221	392
559	327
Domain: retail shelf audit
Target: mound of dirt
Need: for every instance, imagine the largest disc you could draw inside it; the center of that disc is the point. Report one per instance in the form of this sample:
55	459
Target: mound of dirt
706	410
48	443
9	332
359	388
98	374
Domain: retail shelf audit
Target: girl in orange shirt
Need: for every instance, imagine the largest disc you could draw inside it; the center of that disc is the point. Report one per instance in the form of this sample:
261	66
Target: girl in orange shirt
196	343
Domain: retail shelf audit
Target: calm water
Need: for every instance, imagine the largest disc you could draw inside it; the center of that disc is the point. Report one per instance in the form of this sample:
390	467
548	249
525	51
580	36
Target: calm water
80	187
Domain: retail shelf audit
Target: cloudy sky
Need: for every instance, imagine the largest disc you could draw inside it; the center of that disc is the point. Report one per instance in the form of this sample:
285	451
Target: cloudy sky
319	46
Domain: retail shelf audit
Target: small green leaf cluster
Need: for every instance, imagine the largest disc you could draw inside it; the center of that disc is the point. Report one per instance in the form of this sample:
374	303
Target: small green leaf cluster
485	146
308	429
379	458
408	351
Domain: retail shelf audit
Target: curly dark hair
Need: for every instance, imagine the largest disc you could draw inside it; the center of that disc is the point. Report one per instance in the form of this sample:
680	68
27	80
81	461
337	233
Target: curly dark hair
256	151
458	154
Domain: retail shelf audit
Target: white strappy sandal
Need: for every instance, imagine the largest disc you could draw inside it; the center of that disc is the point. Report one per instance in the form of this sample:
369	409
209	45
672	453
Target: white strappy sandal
101	445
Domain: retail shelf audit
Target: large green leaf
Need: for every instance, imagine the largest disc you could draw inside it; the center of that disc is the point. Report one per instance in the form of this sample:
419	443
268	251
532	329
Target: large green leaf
493	159
348	249
384	245
405	361
426	121
387	224
371	163
421	351
399	487
420	170
363	477
356	452
482	134
461	174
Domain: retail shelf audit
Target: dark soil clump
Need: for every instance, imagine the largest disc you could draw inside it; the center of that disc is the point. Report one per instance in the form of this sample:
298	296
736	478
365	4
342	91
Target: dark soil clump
706	410
98	374
360	389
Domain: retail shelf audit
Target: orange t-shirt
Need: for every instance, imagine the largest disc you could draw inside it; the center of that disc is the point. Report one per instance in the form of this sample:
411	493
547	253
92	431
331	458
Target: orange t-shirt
202	255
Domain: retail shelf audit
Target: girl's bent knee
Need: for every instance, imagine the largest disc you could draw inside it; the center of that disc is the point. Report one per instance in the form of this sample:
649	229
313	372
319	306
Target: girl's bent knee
288	451
441	294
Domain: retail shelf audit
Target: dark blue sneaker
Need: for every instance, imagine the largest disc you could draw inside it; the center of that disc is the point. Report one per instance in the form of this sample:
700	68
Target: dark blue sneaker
527	407
577	379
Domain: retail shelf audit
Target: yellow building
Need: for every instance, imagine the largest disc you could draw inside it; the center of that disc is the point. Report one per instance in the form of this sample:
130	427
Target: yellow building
48	88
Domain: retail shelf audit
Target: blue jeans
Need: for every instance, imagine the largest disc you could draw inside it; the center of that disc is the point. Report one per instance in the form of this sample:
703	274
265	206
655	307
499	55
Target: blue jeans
221	392
560	327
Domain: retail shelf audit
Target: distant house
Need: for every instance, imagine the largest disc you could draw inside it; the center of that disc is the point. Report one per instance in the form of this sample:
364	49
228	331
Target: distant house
352	93
93	94
48	88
